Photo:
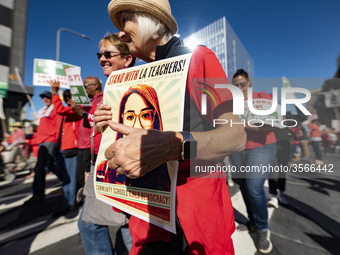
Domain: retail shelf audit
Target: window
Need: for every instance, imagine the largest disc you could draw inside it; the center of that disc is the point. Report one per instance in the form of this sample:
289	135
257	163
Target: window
4	55
6	16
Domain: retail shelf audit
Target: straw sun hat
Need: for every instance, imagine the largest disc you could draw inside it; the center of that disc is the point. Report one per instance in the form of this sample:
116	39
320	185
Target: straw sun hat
158	8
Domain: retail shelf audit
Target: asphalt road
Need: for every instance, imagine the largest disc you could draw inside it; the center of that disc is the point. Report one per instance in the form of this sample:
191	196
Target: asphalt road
309	225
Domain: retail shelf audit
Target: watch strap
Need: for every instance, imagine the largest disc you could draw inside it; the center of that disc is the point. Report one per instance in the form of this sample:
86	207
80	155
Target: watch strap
188	140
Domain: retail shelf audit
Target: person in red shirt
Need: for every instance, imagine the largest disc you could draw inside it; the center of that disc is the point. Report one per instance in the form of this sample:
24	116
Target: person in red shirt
47	138
69	143
10	151
326	142
196	233
315	137
18	134
93	87
260	151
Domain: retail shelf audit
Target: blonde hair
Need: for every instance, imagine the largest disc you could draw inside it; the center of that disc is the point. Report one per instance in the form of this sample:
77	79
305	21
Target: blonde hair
119	44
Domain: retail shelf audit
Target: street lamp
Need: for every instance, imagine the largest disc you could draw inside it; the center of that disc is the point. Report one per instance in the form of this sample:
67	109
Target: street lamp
58	39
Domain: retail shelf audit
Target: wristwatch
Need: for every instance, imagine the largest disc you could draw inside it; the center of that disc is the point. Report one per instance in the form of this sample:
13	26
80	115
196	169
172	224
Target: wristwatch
189	147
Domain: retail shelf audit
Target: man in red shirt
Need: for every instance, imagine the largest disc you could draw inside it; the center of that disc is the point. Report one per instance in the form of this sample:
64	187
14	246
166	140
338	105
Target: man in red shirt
69	142
93	87
46	137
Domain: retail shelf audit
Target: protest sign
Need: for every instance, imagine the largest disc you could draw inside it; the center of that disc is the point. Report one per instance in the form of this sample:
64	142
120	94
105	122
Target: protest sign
45	70
332	98
3	89
77	88
274	119
149	96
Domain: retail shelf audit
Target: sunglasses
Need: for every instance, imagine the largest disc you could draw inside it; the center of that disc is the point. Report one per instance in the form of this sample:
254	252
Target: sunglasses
89	84
107	54
241	85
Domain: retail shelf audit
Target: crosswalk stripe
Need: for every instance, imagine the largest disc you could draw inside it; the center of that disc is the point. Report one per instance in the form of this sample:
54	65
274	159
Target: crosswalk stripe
63	228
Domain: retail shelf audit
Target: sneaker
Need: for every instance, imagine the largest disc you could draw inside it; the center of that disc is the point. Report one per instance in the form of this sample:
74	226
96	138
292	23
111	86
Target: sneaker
230	183
34	199
248	227
263	242
273	202
319	162
282	199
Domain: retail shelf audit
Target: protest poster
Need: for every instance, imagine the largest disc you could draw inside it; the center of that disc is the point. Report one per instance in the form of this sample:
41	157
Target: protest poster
274	119
332	98
149	96
3	89
77	88
45	70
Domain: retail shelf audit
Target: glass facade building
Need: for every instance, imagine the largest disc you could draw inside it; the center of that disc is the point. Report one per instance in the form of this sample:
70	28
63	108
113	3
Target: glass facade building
13	18
221	38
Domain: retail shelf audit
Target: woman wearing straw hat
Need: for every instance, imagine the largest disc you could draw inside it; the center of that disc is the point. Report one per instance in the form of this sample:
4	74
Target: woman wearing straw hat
148	27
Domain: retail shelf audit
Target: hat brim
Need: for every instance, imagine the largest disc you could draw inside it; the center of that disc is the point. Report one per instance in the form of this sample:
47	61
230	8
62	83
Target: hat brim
117	6
45	95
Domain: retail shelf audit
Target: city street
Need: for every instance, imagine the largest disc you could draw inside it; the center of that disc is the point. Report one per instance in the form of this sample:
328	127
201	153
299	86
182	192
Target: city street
309	225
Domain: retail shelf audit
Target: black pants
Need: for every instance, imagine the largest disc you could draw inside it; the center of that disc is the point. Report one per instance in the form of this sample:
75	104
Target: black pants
45	159
83	164
282	157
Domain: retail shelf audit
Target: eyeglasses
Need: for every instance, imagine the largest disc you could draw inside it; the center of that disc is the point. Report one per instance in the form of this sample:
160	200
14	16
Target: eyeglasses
242	84
67	96
146	118
89	84
107	54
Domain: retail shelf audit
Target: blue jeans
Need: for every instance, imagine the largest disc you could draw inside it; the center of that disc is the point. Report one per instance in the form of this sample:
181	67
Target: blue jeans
96	238
317	150
251	183
70	182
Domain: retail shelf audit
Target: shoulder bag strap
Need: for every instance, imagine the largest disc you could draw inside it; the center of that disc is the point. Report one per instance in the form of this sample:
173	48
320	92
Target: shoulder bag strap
92	136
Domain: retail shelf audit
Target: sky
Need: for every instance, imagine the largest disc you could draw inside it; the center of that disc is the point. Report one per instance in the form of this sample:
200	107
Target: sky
295	39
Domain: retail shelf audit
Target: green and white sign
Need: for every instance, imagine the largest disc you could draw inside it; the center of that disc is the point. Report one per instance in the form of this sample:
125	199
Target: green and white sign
274	119
46	70
77	89
3	89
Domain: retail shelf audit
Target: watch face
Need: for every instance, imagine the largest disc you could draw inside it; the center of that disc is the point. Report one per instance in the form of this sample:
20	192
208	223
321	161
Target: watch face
189	149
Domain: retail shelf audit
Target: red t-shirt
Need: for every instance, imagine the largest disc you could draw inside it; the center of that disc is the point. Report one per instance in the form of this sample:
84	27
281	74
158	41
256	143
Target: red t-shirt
259	138
84	140
315	132
207	229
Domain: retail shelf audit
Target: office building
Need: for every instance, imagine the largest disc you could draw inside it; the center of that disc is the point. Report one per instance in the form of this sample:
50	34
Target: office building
221	38
13	18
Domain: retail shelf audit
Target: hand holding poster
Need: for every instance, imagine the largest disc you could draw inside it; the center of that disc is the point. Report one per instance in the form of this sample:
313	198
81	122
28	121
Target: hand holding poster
77	89
46	70
150	96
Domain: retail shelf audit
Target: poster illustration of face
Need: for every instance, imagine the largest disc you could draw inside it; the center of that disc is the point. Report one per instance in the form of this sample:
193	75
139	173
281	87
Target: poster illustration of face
149	96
